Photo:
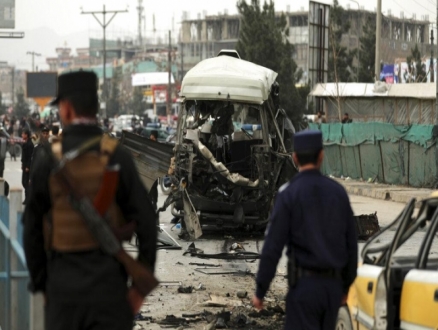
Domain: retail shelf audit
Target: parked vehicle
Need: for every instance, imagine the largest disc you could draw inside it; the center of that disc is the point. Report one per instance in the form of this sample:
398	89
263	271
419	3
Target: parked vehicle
163	134
397	284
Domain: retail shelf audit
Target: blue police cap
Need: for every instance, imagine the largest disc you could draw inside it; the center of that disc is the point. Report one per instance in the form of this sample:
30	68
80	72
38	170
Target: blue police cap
307	141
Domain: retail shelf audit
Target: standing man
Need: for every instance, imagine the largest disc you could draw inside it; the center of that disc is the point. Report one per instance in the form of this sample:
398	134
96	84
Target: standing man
3	149
26	159
55	133
154	135
346	119
312	216
84	287
38	148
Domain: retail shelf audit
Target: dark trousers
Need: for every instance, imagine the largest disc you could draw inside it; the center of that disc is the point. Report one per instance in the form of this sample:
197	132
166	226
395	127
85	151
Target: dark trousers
25	182
88	316
313	304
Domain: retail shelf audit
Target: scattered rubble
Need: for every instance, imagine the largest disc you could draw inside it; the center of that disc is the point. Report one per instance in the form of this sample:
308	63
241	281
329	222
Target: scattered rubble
242	294
185	289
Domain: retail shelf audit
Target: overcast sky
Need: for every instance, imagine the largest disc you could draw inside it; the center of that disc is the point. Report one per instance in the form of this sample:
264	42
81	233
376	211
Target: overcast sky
64	17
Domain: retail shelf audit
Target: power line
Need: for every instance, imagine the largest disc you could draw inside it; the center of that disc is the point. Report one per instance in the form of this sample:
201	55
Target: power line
104	25
424	7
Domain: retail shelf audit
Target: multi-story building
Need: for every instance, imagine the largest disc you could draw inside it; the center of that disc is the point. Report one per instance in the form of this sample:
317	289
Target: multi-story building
204	37
65	60
11	81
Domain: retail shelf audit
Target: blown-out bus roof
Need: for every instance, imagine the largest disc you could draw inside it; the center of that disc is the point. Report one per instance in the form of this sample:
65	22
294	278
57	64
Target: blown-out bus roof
228	78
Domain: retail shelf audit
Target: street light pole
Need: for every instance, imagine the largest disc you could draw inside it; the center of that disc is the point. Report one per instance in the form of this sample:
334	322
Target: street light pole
104	25
378	34
358	38
33	54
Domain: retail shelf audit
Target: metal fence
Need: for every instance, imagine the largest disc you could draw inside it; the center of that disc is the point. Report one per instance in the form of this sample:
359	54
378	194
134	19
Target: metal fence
19	310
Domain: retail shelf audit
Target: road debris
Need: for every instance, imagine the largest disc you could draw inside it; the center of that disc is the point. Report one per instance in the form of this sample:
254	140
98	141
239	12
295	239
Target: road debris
170	283
242	294
185	289
204	264
220	301
237	247
235	255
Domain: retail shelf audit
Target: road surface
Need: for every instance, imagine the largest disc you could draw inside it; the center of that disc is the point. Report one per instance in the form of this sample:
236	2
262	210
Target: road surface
173	267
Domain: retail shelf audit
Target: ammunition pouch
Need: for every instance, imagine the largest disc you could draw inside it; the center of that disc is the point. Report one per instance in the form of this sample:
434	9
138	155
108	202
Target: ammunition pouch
64	228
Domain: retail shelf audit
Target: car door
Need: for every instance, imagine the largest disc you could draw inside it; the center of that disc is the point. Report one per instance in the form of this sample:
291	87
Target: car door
419	298
370	284
365	285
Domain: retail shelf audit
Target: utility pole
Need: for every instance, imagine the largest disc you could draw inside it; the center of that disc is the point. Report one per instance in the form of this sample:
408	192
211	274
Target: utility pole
13	86
104	25
358	38
33	54
140	9
431	57
169	85
378	35
436	98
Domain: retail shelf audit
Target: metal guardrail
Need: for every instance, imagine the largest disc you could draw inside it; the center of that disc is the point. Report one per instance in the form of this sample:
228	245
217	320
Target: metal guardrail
19	310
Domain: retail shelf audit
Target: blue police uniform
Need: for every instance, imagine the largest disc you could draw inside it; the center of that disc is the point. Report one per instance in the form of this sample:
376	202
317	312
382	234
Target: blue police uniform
312	216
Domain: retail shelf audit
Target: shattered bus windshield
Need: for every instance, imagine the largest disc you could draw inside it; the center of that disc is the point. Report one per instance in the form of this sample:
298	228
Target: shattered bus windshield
224	119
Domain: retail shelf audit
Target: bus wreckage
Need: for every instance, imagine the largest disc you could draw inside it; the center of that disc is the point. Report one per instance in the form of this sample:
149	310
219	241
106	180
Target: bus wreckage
232	151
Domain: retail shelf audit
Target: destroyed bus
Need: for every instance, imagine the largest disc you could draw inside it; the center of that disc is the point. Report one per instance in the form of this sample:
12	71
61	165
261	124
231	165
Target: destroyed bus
232	150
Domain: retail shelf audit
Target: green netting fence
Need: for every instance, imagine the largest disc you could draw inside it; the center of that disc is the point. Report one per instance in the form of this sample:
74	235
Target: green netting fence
382	152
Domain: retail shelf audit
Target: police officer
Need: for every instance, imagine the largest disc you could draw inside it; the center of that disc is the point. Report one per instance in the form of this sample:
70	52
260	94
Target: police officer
312	216
84	287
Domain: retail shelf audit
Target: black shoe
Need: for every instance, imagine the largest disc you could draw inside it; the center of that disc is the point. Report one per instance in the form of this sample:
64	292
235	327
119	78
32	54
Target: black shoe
174	220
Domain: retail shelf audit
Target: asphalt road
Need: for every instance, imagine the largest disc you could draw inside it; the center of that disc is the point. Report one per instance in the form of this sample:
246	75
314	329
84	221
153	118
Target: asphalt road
173	267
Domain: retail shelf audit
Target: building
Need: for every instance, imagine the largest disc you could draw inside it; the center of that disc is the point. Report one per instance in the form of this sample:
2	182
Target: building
65	60
398	104
11	81
203	38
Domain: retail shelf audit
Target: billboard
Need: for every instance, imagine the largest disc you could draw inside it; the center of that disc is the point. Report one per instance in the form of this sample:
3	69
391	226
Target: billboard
319	21
7	14
41	84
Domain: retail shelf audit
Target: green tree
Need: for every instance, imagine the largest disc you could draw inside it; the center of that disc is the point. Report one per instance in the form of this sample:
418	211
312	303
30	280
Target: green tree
417	71
340	61
113	104
137	105
263	40
367	52
21	107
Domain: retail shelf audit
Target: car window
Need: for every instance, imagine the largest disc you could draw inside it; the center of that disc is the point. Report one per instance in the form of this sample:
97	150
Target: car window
162	134
376	249
432	256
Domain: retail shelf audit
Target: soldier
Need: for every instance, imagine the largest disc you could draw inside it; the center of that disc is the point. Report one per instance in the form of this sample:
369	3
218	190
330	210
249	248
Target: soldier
313	217
84	287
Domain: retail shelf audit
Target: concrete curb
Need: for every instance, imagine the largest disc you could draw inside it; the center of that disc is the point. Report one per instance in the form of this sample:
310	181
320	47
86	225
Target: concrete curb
397	194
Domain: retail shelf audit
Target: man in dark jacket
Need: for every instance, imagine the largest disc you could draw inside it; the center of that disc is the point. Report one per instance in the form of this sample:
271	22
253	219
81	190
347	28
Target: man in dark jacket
26	159
84	288
312	216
